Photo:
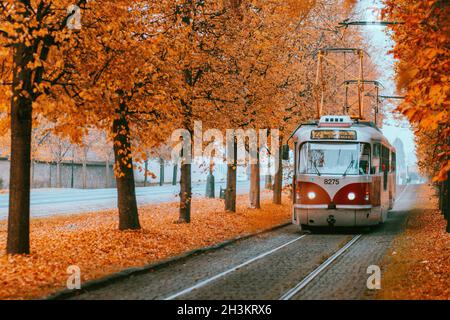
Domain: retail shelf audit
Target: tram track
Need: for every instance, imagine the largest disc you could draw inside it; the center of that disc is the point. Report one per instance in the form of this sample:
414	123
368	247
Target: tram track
322	268
282	265
288	294
228	271
327	264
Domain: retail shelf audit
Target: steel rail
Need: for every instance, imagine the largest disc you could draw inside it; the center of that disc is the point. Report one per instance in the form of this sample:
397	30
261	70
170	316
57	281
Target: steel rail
226	272
310	277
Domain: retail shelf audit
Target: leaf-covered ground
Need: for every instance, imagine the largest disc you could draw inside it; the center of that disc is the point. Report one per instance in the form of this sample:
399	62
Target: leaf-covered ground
418	264
92	242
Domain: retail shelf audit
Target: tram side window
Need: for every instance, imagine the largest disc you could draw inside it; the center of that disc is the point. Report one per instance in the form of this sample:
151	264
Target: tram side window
364	161
385	165
376	158
393	162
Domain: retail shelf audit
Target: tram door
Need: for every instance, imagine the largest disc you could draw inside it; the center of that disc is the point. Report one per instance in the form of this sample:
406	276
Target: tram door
385	168
392	180
377	181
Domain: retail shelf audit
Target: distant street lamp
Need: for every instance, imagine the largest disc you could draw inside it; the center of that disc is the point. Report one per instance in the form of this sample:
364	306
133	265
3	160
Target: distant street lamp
346	23
386	97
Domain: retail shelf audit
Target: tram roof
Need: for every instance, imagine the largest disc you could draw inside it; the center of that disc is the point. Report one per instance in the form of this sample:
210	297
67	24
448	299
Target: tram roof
367	131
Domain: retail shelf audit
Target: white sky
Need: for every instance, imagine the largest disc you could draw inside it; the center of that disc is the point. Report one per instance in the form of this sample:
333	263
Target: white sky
381	44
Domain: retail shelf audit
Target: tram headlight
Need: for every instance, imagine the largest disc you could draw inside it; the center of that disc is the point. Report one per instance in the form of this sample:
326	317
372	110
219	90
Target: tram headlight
311	195
351	196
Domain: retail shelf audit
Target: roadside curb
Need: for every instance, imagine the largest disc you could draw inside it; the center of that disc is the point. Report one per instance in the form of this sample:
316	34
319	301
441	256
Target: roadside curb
109	279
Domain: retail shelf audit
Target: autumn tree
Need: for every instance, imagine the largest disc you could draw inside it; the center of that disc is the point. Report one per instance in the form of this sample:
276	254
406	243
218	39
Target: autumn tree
29	31
119	83
423	67
205	68
253	49
273	49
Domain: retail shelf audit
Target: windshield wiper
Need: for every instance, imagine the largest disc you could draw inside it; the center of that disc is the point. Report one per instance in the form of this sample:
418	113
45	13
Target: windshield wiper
315	167
349	166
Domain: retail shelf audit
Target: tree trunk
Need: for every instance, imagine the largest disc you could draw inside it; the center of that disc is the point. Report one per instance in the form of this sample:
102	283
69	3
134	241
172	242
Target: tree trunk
255	188
278	179
185	193
185	187
126	194
230	194
18	241
446	208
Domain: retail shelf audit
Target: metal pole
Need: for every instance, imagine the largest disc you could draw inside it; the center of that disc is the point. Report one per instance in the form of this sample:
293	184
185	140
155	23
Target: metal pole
377	89
361	85
322	97
318	79
346	100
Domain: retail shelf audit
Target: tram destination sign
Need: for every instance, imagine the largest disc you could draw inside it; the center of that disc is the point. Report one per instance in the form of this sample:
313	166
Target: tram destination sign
333	135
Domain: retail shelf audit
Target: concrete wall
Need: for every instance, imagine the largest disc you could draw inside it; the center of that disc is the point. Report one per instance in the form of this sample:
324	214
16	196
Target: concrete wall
44	174
199	172
4	173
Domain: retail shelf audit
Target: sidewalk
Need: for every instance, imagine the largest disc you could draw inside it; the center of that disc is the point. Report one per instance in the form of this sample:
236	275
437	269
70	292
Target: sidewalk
47	202
417	265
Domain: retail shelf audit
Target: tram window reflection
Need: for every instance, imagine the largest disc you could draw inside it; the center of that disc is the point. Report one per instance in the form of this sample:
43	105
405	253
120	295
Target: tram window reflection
334	158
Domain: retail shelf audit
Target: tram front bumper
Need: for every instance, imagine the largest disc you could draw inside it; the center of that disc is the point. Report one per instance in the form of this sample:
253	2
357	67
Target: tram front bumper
347	217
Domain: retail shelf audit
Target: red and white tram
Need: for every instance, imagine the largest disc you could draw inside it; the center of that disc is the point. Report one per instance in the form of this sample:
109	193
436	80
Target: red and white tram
344	173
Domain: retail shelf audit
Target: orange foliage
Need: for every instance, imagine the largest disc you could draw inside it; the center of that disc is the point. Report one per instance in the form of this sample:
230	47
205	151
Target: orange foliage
139	70
422	50
349	4
252	62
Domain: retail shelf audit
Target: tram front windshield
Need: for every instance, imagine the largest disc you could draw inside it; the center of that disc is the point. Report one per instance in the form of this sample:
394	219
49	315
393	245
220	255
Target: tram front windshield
334	158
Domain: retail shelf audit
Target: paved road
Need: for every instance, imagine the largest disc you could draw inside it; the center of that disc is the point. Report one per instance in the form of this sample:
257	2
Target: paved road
45	202
268	265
